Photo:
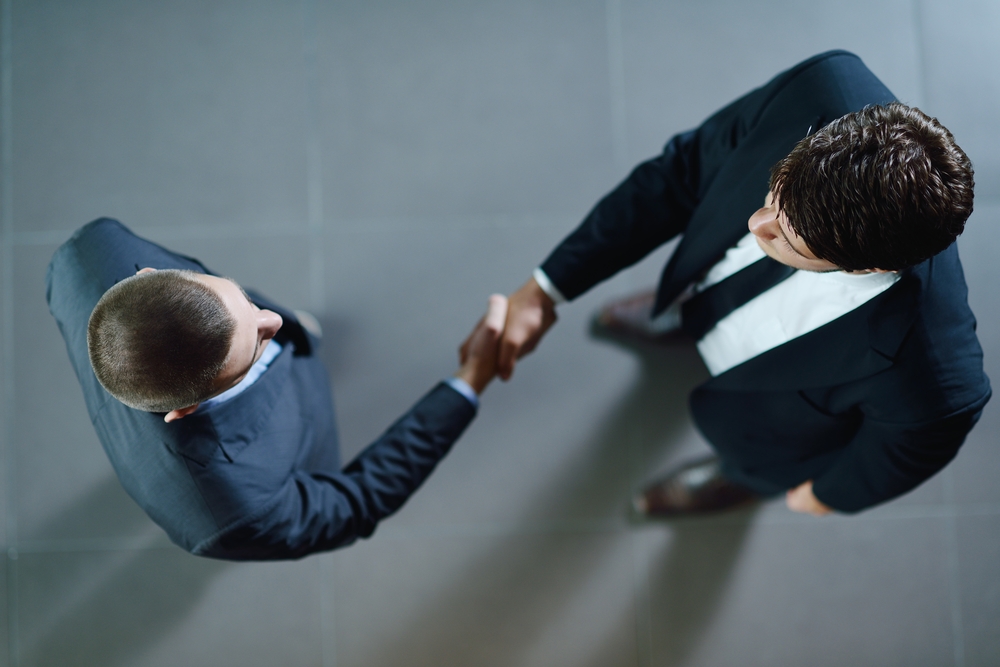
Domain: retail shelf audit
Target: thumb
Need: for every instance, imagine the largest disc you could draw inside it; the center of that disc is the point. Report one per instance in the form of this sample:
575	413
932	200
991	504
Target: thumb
496	313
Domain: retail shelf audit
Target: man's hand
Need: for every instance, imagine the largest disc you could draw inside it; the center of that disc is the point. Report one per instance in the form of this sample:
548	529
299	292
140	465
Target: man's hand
478	353
529	316
801	499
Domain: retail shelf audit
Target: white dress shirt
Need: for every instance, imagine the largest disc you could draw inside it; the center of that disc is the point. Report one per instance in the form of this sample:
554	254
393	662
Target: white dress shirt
804	302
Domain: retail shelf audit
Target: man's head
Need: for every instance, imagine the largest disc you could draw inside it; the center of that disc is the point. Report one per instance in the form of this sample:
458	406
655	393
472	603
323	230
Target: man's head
163	341
881	188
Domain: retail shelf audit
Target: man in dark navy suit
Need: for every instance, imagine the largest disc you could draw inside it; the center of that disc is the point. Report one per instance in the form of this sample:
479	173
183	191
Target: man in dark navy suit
215	409
834	322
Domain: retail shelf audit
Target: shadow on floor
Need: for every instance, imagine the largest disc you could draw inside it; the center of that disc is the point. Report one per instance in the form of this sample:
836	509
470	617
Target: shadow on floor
105	607
534	578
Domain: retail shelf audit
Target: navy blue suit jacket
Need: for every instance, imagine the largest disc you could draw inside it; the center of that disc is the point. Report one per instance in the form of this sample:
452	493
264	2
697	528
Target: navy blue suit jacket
259	476
867	406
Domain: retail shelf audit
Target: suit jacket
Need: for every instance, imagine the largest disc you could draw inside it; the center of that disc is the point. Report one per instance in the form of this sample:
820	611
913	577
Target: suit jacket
259	476
867	406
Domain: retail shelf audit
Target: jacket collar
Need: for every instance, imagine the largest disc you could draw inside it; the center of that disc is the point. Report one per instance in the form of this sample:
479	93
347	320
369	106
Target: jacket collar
856	345
719	222
234	424
736	191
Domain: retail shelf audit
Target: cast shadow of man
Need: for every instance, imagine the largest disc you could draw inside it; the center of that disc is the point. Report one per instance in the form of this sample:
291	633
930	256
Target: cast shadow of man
109	602
538	572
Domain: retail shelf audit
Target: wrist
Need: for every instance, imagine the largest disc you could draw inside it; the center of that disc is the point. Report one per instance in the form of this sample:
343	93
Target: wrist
539	296
473	377
541	279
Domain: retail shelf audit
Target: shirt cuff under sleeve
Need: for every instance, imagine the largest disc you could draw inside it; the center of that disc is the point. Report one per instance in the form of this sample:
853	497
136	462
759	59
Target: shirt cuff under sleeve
463	387
547	286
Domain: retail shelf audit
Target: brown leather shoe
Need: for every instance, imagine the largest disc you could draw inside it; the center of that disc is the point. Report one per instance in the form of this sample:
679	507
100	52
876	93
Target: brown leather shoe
695	488
629	318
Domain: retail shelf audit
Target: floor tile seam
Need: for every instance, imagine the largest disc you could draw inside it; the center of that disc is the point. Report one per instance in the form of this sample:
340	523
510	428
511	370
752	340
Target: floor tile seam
958	511
211	231
775	517
182	233
616	75
909	512
95	545
314	160
7	351
954	578
317	274
503	529
394	223
953	571
918	21
641	602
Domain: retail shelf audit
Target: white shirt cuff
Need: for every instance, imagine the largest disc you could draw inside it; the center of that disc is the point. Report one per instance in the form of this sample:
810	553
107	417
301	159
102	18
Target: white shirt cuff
465	389
547	286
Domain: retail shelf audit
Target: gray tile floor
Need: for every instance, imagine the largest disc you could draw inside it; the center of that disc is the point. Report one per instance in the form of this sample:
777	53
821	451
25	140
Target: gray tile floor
388	165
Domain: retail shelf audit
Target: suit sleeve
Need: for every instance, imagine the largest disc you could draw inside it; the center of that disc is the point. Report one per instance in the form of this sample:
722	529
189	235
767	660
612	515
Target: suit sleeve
655	203
886	459
316	512
916	415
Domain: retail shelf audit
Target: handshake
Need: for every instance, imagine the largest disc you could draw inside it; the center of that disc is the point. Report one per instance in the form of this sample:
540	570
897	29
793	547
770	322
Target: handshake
510	329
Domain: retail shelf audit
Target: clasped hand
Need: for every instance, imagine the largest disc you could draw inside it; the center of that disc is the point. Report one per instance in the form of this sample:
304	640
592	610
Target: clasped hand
513	327
478	354
510	329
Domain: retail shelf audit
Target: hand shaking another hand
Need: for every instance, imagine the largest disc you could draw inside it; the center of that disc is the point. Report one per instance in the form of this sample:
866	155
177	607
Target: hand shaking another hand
510	329
478	354
531	313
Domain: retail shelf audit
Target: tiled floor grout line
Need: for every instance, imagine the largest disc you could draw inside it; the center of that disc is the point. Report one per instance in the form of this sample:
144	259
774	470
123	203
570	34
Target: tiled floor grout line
7	250
918	22
185	233
310	229
571	527
317	273
314	156
352	225
950	519
328	621
640	567
954	571
616	71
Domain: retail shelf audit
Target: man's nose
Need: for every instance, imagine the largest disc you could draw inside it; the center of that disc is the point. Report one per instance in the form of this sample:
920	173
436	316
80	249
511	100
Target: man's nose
764	224
268	322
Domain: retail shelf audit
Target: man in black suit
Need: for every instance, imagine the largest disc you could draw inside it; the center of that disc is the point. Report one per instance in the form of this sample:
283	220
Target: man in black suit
845	364
215	409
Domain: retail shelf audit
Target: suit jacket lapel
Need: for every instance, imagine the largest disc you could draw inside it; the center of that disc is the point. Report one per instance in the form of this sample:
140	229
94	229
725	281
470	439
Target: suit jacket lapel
721	218
856	345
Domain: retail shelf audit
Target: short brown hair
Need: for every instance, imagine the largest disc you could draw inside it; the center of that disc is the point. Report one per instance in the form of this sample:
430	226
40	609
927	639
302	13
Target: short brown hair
882	188
158	340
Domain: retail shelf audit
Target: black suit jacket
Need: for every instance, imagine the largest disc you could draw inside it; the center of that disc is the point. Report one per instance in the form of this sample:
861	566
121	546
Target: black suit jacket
867	406
258	476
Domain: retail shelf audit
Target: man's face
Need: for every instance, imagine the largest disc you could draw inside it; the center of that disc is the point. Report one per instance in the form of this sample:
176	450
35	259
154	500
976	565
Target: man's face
776	238
254	328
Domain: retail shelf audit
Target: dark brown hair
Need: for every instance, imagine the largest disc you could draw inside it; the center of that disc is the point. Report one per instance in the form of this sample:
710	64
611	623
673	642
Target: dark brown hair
158	340
881	188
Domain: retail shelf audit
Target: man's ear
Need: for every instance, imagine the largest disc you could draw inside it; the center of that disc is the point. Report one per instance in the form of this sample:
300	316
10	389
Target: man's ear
145	270
180	413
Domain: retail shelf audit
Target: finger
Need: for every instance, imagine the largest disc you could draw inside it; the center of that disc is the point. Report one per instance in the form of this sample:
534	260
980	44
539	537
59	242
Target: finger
463	351
505	362
496	313
790	500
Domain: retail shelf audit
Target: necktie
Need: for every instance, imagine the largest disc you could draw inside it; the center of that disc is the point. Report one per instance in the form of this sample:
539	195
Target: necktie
704	310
